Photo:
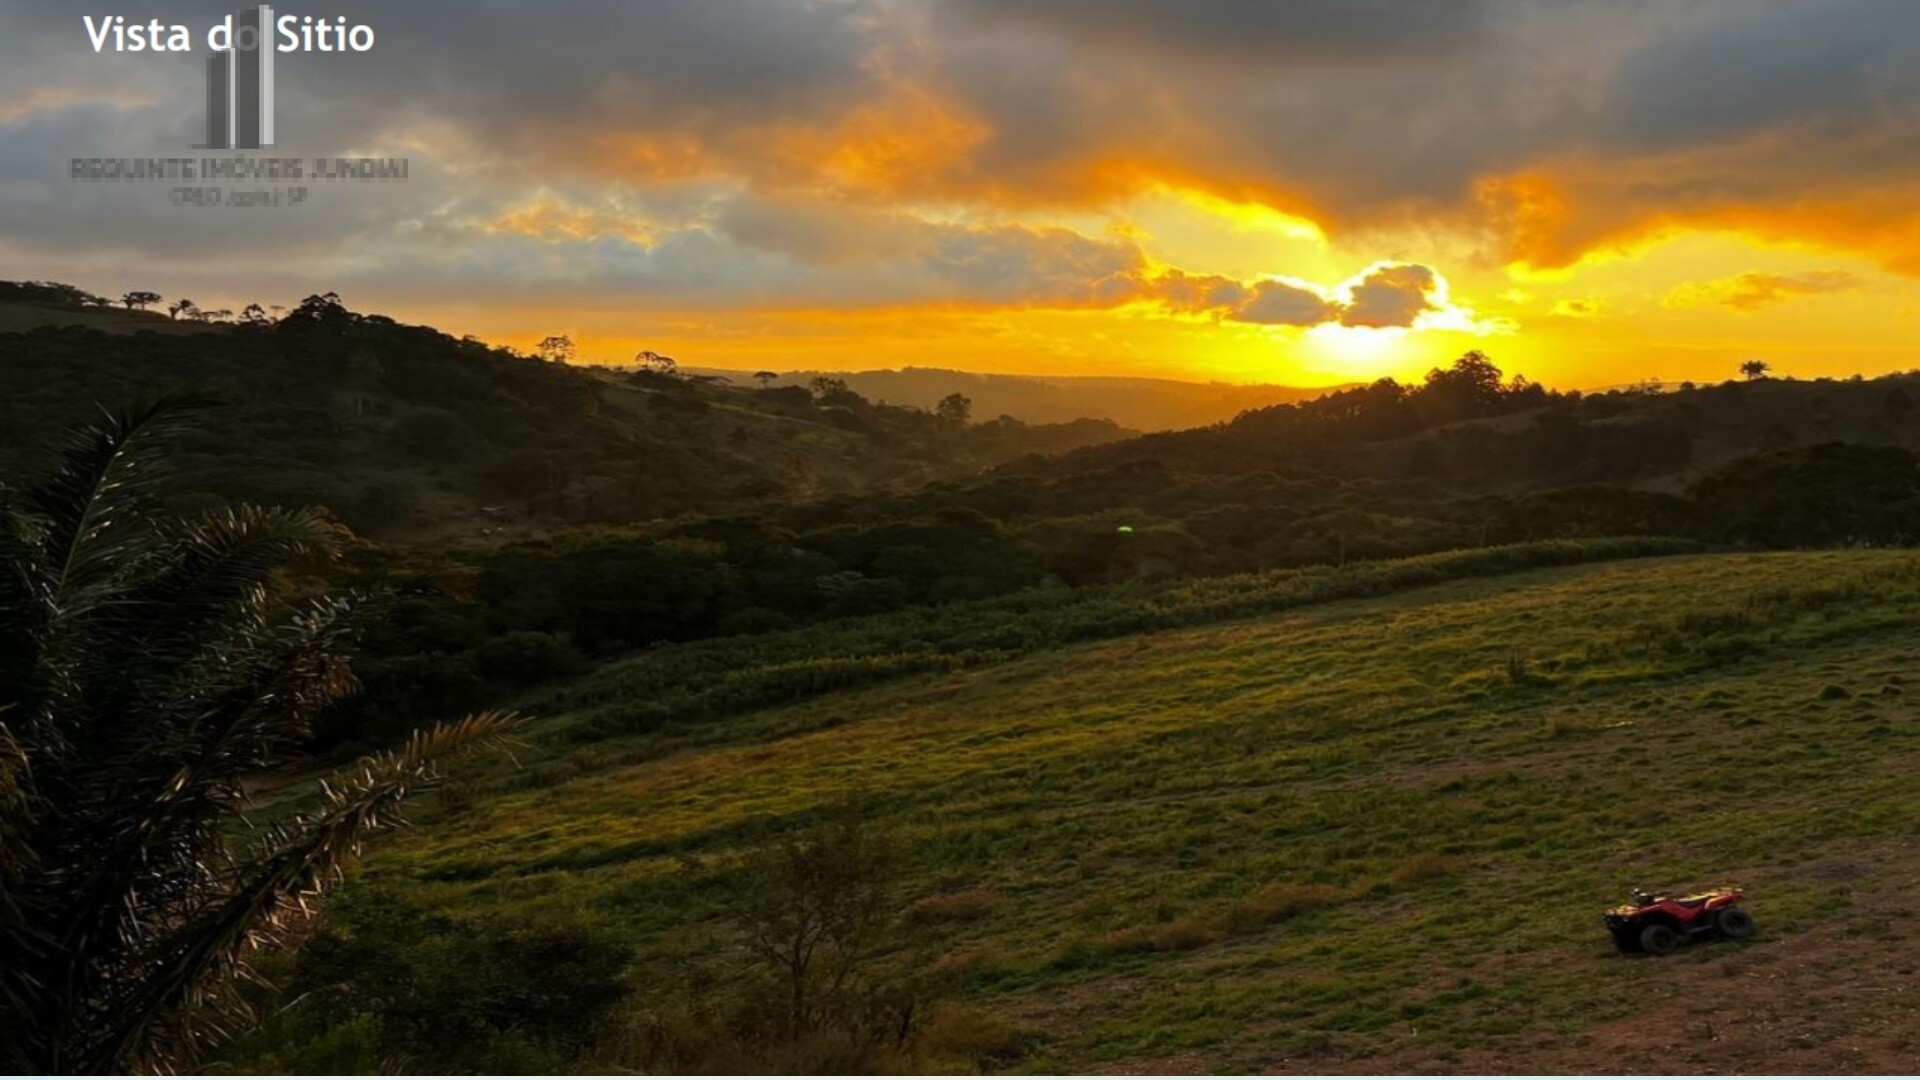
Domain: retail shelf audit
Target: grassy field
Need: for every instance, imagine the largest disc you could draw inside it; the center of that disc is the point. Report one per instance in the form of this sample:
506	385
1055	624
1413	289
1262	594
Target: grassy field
1367	833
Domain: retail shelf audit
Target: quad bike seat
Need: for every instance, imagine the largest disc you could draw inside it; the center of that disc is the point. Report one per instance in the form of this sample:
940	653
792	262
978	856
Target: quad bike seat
1647	899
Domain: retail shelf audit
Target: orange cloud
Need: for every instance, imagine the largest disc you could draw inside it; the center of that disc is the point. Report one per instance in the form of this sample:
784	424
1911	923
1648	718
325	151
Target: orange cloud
1559	216
651	155
1753	290
553	221
888	146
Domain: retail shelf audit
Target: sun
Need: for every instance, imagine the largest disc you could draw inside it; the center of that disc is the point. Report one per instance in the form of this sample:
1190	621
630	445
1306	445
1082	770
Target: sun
1353	350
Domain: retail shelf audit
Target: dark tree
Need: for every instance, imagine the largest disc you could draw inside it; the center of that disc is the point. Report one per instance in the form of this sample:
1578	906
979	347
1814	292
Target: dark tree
556	349
831	391
1472	386
819	904
1755	369
56	293
180	307
139	299
654	362
321	311
147	671
766	378
955	409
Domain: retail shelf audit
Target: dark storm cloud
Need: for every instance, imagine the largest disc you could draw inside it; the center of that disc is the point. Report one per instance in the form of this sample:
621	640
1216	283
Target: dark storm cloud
1837	65
754	146
1299	30
1390	296
1282	303
487	101
1352	113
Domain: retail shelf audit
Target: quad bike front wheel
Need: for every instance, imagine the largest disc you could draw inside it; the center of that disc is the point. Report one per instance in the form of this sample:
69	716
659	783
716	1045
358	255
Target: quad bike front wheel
1733	923
1659	939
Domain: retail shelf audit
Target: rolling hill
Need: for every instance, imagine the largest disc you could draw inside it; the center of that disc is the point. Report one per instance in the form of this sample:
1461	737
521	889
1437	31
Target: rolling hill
1493	439
407	433
1342	819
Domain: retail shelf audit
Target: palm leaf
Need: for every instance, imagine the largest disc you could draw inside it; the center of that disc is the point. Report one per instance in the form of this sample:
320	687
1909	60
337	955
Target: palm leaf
146	668
104	473
218	560
295	863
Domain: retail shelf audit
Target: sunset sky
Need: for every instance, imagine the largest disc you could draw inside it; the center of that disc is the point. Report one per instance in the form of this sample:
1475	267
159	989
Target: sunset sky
1305	192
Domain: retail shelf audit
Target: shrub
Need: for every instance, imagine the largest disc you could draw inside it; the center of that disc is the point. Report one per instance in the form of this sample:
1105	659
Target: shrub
801	989
388	987
527	657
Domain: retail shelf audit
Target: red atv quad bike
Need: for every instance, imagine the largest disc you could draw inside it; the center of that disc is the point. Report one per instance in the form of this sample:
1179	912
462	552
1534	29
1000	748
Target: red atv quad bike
1658	924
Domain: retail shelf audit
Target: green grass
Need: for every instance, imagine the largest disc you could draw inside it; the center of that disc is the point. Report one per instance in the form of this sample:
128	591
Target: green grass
665	689
1367	824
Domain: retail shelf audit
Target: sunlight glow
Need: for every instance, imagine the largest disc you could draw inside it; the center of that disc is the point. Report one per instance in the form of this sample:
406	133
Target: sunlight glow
1354	351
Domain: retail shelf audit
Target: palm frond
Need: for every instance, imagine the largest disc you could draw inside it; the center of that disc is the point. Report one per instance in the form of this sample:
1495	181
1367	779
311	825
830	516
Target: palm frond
296	862
219	558
87	527
247	706
103	472
146	669
17	859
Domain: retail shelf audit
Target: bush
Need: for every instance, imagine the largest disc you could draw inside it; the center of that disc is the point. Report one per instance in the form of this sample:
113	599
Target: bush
526	657
387	987
800	989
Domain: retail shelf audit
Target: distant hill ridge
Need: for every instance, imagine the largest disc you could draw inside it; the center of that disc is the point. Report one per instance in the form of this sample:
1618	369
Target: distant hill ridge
1146	404
408	433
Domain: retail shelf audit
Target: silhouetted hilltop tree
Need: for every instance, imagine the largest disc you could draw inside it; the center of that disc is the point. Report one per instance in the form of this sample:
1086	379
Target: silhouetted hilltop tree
656	364
50	293
319	311
1471	387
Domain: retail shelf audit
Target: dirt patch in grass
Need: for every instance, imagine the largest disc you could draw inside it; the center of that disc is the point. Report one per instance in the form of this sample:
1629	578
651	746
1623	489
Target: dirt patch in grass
1840	997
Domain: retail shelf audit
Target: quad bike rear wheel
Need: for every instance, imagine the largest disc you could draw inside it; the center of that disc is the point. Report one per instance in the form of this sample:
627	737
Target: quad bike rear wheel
1733	923
1659	939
